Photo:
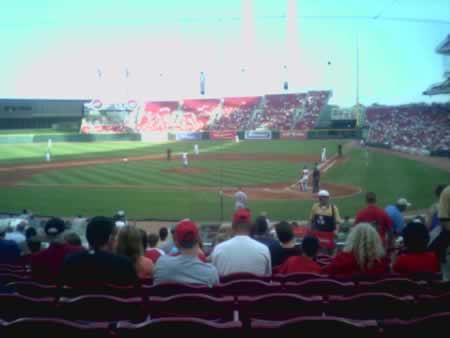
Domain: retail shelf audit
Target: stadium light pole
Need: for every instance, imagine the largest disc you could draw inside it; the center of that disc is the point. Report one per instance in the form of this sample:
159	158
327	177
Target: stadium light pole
357	69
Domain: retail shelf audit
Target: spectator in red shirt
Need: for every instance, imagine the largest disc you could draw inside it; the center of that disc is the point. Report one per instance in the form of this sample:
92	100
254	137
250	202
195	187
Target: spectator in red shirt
377	217
363	253
46	265
305	263
416	259
153	252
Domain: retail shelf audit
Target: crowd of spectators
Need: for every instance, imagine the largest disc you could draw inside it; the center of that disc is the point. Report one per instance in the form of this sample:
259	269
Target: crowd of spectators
157	116
419	126
118	252
103	125
275	112
236	113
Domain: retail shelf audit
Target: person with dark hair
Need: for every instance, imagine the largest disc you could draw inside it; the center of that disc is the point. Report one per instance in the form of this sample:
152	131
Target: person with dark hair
163	233
305	262
46	265
186	267
416	259
242	253
99	264
287	246
73	239
34	244
261	234
153	252
168	245
377	217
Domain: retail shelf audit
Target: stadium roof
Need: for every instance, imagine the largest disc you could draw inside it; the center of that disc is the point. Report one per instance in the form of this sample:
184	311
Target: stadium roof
439	88
444	47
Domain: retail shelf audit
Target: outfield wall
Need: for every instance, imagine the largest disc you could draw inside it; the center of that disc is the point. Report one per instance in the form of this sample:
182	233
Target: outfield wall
178	136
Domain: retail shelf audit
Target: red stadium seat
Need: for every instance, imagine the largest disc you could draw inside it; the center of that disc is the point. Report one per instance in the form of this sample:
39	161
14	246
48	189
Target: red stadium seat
246	288
171	289
428	304
9	277
243	275
316	327
396	286
101	308
173	327
417	328
124	291
13	306
192	305
370	306
278	306
297	277
34	289
52	328
320	287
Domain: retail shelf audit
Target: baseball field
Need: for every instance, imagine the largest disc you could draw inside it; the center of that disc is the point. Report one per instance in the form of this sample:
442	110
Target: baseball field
101	178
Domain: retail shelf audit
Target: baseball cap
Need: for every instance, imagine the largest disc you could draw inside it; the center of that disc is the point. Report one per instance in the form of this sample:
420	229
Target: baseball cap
186	231
403	201
54	226
242	216
324	193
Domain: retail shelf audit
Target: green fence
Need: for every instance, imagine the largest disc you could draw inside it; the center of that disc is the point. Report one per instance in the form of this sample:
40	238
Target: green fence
15	139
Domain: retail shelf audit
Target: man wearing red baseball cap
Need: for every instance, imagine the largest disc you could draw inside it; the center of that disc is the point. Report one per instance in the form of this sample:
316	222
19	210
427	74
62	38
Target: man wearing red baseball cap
242	253
186	267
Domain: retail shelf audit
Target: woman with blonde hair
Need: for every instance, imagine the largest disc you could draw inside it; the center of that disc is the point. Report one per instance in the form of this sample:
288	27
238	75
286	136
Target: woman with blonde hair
363	253
129	244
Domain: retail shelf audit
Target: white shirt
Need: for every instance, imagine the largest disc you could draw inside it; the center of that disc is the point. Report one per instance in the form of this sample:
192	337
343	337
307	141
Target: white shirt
242	254
240	199
305	172
15	236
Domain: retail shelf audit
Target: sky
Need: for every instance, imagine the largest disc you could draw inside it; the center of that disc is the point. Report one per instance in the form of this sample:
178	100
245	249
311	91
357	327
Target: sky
58	48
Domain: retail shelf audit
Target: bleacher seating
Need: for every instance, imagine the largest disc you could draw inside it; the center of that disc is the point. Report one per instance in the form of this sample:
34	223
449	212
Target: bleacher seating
197	114
237	112
279	112
157	116
421	126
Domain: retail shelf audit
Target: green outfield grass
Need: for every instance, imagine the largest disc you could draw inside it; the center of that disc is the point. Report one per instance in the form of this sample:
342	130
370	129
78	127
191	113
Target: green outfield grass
391	177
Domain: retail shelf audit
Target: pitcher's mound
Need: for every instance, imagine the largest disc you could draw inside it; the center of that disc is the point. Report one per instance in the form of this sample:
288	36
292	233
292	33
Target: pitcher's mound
187	171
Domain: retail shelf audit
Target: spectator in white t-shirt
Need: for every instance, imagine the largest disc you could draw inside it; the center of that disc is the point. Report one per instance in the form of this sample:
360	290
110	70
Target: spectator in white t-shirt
240	199
242	253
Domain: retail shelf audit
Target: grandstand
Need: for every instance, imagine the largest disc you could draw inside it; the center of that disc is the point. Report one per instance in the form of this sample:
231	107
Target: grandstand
298	211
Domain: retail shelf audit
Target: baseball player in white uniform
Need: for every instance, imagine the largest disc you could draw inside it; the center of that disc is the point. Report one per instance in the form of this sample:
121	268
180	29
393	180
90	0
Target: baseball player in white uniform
236	139
184	158
196	151
48	156
304	179
323	156
240	199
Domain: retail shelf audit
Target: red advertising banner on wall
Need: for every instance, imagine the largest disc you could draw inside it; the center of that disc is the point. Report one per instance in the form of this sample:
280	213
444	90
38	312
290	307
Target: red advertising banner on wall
294	134
222	135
